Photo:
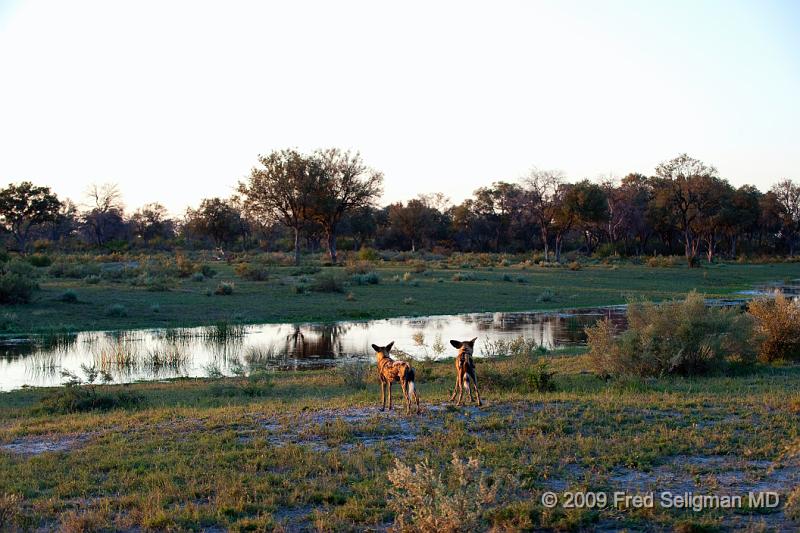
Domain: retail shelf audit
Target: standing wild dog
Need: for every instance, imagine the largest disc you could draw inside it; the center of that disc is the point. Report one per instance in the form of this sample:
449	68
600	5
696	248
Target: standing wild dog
390	371
465	371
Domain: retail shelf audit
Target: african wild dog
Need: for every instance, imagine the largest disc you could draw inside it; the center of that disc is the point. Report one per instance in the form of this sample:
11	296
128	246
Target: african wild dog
465	371
390	371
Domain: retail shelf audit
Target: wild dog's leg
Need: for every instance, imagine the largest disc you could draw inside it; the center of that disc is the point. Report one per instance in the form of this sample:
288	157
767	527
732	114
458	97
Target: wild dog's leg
404	386
383	397
475	383
468	383
462	382
389	384
458	384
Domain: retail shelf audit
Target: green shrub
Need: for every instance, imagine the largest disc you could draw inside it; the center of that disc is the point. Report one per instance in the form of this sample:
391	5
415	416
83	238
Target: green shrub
92	279
225	288
327	283
17	282
305	270
207	271
545	296
116	311
777	328
683	337
198	276
40	260
371	278
69	296
368	254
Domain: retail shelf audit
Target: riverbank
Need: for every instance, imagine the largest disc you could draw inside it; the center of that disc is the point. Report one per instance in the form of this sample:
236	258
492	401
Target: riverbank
310	450
287	296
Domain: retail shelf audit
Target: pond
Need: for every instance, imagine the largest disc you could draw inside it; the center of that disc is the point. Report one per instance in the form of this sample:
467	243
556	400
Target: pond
136	355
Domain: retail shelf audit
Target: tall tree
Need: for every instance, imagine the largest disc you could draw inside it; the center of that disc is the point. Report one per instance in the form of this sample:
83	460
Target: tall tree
687	186
342	183
25	206
215	218
281	188
787	194
541	199
103	218
151	221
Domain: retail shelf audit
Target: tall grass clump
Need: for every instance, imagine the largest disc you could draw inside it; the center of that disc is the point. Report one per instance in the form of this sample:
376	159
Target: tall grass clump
777	327
222	331
353	376
56	338
684	337
429	498
516	365
82	394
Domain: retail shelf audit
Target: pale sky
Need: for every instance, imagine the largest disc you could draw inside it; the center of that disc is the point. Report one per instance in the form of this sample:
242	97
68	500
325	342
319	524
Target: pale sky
173	100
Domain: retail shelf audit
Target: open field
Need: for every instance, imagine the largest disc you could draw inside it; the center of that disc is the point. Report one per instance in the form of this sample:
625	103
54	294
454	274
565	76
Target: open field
310	451
285	296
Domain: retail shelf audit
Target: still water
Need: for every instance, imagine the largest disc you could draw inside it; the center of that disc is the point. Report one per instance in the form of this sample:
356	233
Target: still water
159	354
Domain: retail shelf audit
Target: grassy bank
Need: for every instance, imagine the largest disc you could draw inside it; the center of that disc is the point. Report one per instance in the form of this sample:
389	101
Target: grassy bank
288	295
310	450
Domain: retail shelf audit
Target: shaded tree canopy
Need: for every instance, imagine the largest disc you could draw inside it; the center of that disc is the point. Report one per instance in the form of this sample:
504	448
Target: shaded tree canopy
25	206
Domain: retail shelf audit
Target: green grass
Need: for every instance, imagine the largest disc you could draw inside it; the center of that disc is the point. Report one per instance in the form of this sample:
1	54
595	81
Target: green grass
193	303
304	454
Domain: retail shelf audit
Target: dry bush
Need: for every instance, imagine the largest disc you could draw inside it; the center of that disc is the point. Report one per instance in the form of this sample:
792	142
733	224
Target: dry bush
793	504
359	267
354	376
777	327
683	337
426	499
10	505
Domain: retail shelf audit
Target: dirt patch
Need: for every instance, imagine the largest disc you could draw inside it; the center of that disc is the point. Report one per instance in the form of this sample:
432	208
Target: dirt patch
38	445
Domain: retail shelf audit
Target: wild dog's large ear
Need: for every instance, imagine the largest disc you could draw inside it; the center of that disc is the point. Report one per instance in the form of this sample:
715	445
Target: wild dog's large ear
472	342
377	348
456	344
389	346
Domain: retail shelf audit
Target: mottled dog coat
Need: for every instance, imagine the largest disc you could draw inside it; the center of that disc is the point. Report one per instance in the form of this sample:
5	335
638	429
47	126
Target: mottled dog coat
390	371
465	371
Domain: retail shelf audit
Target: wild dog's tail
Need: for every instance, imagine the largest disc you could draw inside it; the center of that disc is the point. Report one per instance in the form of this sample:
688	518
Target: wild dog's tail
410	379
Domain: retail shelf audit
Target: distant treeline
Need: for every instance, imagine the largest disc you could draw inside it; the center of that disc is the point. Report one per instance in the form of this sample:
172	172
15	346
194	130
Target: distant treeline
296	201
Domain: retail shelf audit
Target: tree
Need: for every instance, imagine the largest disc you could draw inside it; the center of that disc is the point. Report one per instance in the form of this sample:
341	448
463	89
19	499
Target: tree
151	221
281	189
342	183
589	203
25	206
787	194
541	200
686	187
215	218
103	218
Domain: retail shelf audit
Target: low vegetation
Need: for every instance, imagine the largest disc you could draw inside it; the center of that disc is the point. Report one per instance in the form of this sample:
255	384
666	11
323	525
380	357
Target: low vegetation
685	337
778	328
